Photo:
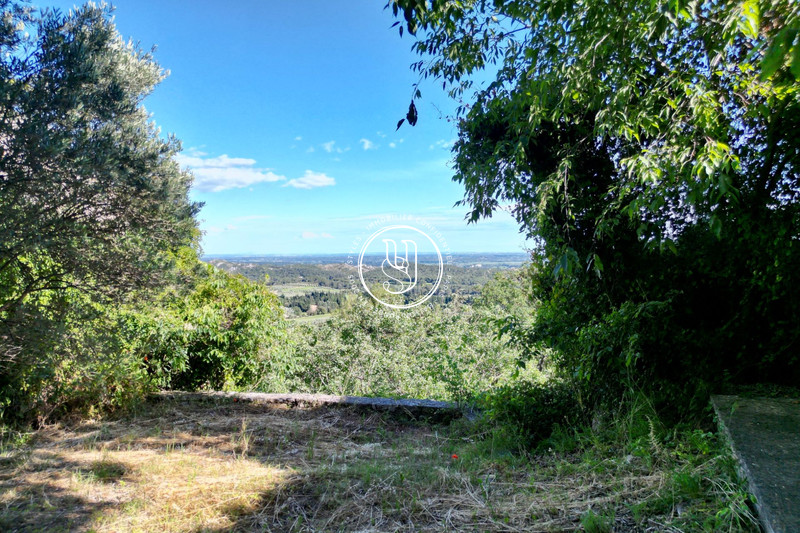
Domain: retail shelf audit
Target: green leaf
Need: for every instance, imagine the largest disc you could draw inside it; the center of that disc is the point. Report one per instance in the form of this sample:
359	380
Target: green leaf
795	65
412	114
776	52
751	19
716	226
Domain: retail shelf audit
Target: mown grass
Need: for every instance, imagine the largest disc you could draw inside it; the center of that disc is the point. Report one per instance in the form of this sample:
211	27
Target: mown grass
248	467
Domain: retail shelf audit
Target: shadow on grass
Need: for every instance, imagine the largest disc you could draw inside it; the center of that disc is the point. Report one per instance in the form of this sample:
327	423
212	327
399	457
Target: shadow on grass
216	466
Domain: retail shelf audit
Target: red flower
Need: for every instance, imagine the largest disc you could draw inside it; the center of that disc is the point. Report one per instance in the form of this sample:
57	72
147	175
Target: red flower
454	456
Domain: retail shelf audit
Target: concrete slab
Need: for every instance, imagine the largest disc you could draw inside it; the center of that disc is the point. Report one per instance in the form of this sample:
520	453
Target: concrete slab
765	436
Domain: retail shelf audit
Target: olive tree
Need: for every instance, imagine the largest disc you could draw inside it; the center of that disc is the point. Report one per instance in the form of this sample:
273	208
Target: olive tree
93	207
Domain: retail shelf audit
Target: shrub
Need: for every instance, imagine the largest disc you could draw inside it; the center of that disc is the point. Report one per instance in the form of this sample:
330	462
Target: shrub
534	410
72	358
225	333
426	352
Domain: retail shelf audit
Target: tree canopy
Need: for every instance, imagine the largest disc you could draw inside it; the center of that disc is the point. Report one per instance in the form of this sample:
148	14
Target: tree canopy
651	150
94	210
90	196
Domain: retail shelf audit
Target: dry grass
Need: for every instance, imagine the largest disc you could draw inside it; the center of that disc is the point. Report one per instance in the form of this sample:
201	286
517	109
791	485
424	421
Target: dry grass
249	467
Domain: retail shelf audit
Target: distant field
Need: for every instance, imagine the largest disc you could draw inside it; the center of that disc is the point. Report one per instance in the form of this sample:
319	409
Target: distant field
499	260
311	319
300	289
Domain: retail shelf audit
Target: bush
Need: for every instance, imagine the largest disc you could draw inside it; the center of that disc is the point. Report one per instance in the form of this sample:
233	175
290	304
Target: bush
71	359
227	332
426	352
534	410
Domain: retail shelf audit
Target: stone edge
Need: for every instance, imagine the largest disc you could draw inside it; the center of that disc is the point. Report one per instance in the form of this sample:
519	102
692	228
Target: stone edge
764	516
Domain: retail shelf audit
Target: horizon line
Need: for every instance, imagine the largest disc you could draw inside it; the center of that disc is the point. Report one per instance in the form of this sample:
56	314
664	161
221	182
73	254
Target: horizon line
321	254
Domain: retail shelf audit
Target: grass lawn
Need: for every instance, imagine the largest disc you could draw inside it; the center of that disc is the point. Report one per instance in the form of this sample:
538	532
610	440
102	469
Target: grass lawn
179	466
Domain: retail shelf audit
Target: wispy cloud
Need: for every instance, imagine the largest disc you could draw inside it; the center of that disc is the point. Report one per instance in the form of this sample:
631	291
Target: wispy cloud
214	174
331	147
312	235
216	230
311	180
367	144
298	138
443	144
310	149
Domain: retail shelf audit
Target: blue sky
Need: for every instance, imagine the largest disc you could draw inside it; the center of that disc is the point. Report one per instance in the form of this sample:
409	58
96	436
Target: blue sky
287	113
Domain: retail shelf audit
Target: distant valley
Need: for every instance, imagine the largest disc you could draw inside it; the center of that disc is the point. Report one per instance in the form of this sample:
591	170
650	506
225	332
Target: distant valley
312	286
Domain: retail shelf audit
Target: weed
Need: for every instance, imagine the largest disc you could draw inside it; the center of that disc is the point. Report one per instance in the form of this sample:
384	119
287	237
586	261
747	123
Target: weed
597	523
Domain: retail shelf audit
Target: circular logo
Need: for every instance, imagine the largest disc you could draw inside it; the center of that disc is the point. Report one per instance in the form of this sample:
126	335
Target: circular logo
400	266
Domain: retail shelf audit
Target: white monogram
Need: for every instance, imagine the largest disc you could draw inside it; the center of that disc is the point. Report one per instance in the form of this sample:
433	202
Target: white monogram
396	268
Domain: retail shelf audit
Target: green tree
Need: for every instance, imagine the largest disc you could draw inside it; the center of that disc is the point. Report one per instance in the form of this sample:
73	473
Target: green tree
90	196
93	207
651	151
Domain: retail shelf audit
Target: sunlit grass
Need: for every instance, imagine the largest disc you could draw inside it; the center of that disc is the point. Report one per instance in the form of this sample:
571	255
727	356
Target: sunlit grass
249	467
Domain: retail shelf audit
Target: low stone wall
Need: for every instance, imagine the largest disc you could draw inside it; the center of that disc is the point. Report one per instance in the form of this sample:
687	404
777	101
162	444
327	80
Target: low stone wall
428	409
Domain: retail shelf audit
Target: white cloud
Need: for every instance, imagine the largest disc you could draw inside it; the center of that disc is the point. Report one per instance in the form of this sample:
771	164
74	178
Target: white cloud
214	174
443	144
312	235
367	144
331	148
392	145
298	138
310	149
311	180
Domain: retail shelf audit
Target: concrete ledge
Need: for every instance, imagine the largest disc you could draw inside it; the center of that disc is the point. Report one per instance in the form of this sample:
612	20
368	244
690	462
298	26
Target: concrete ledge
765	437
415	408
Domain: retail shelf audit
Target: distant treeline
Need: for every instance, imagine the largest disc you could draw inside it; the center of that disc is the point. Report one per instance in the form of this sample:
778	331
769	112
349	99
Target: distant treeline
313	303
473	259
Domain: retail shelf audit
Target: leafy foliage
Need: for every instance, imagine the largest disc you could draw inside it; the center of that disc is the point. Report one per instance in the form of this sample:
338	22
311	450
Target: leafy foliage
438	352
651	151
93	208
226	332
534	410
90	196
